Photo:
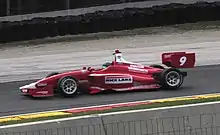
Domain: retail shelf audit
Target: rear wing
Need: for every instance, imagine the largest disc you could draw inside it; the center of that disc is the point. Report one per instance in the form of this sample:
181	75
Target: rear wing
179	59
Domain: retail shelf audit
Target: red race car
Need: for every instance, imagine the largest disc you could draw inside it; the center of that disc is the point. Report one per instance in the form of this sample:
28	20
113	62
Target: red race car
119	75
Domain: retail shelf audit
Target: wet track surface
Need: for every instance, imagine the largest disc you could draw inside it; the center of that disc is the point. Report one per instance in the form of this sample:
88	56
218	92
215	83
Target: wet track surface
200	80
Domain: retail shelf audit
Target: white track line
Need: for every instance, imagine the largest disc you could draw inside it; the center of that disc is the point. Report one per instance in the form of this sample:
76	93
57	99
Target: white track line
104	105
105	114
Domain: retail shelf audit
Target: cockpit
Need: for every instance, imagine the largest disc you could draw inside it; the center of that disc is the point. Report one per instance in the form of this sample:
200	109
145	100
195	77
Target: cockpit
105	65
118	59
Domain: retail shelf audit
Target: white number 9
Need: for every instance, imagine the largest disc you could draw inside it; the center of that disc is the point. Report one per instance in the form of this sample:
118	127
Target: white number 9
183	60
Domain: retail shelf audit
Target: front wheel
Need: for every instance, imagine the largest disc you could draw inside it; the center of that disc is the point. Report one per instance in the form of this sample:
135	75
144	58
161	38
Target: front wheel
171	78
68	86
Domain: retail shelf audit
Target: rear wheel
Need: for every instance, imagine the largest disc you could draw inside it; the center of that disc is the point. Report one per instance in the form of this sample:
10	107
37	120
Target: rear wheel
68	86
171	78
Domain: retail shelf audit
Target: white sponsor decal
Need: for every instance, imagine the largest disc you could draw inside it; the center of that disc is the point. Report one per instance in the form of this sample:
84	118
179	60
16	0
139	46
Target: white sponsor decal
137	66
137	70
99	88
102	74
151	86
83	71
118	79
41	84
167	55
42	92
183	60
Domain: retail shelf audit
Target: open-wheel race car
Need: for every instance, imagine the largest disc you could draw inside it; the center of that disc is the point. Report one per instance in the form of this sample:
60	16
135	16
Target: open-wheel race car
118	75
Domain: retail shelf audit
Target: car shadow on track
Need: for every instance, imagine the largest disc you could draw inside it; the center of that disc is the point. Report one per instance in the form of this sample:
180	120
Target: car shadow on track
109	93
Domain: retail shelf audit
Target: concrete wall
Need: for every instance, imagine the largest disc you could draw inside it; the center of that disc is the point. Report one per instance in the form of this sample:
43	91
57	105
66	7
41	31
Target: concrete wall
81	11
176	121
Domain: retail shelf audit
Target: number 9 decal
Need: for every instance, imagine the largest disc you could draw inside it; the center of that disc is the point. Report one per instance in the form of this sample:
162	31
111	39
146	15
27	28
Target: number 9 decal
183	60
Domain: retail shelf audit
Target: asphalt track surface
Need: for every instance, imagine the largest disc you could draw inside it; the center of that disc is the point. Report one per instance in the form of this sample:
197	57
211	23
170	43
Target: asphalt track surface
20	63
200	80
28	62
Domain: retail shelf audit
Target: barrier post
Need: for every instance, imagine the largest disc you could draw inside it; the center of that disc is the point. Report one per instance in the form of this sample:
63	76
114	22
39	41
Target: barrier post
8	8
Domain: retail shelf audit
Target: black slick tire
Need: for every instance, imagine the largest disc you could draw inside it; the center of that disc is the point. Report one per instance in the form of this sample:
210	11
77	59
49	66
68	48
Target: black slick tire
171	78
68	86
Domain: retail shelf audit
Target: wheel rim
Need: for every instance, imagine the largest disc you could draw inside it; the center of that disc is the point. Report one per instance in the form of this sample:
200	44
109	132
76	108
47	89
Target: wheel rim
173	78
69	86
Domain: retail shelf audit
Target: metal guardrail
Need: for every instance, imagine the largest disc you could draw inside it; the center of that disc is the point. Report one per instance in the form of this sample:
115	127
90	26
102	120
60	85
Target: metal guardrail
203	124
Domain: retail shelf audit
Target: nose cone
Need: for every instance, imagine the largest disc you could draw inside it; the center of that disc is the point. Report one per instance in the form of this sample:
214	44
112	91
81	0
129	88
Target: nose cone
29	86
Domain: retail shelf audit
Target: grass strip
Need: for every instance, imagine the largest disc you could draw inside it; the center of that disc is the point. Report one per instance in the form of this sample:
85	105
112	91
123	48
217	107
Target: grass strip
143	106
